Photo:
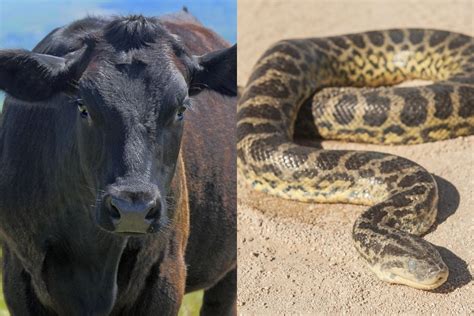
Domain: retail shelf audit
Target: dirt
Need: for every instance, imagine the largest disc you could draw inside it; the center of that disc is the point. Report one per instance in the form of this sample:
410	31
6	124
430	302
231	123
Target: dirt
297	258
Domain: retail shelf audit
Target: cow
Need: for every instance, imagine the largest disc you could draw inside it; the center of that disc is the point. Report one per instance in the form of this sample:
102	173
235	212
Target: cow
117	169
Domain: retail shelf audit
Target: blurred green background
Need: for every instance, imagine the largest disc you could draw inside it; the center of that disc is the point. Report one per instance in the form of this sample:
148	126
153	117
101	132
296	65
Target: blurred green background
23	23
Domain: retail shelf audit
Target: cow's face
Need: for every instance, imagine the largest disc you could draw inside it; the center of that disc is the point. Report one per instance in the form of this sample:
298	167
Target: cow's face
130	117
131	88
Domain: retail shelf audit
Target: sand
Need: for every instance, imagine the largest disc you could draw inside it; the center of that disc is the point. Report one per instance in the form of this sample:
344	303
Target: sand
297	258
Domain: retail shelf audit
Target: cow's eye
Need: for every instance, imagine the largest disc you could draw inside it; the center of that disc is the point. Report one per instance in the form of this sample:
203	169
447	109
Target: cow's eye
82	108
186	104
180	113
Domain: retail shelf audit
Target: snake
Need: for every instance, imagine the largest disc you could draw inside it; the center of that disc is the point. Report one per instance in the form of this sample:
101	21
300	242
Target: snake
349	86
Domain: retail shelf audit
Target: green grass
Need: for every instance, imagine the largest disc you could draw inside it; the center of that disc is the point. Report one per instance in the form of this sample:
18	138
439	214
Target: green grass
3	305
191	304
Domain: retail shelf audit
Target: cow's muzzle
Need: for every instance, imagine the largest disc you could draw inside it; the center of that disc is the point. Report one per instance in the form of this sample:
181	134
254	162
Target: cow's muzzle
130	210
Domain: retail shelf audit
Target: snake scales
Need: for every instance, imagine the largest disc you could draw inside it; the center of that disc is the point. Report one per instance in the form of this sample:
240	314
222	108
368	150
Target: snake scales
349	79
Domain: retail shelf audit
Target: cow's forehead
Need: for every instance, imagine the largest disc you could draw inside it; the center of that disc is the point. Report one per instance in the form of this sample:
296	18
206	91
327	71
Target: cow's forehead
141	69
135	83
154	55
137	40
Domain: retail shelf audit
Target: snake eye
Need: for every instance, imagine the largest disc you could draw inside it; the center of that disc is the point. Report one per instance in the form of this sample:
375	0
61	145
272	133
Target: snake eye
82	108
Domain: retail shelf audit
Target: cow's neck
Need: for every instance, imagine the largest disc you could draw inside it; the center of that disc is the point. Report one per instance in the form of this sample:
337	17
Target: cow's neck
98	267
81	274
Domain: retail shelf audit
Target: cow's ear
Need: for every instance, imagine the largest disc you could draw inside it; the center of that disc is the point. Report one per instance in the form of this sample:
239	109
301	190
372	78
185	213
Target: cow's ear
217	71
33	77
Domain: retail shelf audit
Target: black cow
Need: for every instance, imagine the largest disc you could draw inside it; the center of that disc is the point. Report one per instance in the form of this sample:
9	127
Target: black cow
109	205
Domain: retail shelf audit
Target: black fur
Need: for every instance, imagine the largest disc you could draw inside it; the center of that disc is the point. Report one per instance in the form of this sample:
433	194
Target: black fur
58	165
35	77
215	72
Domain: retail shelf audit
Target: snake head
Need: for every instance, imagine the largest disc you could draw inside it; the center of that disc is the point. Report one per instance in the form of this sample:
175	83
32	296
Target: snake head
421	267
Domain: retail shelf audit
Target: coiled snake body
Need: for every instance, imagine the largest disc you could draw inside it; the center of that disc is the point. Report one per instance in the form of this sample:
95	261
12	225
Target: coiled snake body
351	76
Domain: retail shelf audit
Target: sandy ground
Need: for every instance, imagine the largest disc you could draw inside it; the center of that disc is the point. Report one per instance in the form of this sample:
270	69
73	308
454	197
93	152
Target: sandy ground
297	258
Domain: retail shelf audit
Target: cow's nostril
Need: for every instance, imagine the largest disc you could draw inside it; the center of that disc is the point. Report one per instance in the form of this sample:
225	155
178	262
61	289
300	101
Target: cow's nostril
129	212
154	213
114	212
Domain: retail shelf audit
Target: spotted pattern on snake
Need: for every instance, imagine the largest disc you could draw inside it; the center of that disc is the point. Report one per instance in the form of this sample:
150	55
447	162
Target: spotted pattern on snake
349	80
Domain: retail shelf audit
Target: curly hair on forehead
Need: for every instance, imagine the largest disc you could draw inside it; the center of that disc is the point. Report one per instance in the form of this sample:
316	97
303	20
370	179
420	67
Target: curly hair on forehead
134	32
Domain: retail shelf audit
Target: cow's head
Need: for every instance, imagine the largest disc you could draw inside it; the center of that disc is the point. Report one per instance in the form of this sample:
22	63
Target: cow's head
130	84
